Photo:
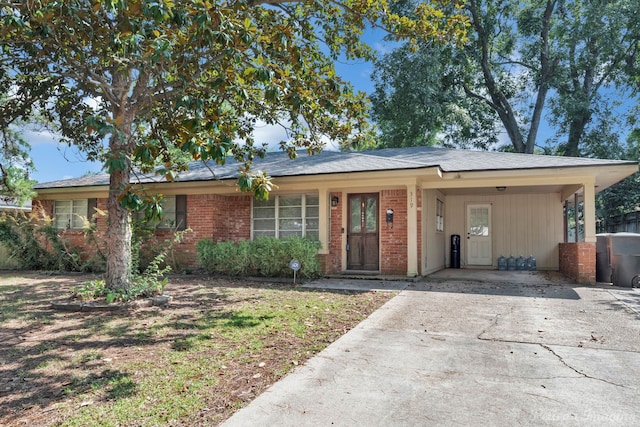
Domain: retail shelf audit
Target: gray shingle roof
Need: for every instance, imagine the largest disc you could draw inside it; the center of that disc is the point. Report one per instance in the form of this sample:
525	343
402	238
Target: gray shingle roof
278	164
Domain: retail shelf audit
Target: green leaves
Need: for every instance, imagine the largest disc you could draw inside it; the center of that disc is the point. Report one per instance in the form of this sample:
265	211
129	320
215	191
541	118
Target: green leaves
117	161
199	75
131	201
259	183
525	62
145	83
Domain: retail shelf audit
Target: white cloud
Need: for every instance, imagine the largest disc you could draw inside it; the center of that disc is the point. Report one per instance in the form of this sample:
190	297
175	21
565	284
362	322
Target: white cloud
38	137
269	134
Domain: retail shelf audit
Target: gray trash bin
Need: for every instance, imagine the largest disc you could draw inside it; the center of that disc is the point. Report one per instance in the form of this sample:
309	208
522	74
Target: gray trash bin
603	261
624	258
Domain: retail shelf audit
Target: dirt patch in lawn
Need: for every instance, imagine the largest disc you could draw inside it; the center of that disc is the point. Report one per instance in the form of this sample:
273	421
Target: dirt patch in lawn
211	350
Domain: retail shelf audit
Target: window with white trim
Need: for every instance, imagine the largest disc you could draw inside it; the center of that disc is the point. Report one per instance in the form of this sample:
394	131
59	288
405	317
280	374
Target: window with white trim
439	215
174	213
168	212
285	216
70	213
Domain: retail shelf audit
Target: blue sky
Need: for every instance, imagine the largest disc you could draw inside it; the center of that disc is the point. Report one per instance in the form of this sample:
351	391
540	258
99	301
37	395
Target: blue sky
54	161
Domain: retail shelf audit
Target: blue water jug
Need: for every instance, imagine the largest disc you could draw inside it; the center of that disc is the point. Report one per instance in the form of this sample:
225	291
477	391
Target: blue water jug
531	263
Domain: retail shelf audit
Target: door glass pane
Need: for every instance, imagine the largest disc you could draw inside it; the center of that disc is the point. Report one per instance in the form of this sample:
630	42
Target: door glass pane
355	214
372	214
479	222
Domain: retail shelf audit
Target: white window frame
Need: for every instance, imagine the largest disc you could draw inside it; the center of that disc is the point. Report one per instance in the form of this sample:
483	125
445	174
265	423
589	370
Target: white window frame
277	217
439	215
70	214
169	215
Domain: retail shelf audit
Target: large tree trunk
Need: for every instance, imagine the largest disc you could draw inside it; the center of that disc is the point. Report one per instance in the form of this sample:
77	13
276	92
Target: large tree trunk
499	102
119	232
126	102
118	235
576	132
547	71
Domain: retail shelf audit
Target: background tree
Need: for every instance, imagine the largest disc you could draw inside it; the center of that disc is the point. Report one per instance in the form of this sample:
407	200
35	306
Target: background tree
519	55
623	197
15	165
417	101
197	75
598	44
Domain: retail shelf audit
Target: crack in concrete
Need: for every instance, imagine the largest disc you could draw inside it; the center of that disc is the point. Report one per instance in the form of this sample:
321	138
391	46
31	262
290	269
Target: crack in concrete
544	397
493	325
488	328
550	350
546	347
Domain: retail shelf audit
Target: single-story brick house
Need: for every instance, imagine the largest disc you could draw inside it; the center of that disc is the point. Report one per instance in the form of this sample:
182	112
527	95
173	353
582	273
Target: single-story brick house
390	211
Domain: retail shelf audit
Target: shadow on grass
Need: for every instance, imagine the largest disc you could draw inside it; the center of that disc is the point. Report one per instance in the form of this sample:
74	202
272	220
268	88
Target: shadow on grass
116	384
50	356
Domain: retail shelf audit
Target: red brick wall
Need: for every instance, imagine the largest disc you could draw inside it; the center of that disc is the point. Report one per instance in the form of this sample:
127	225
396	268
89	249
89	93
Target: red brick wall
209	216
216	217
393	236
332	262
43	211
221	218
578	261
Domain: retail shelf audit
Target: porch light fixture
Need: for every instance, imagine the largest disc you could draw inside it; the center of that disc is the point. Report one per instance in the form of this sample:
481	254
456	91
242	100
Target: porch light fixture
501	188
334	201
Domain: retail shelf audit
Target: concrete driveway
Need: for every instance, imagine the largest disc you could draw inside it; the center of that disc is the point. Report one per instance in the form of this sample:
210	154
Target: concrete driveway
472	353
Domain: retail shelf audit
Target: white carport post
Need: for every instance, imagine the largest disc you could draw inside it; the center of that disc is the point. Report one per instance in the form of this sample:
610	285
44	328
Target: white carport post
589	211
412	229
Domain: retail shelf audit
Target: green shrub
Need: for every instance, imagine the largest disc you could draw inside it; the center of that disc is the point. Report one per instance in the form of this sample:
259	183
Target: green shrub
7	261
36	244
264	256
150	282
305	251
268	257
18	234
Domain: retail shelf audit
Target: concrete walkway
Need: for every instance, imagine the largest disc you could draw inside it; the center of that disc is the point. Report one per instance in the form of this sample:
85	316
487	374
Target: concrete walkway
472	353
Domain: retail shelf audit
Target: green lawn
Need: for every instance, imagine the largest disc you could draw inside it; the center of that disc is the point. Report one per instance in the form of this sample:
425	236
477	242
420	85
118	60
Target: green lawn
214	348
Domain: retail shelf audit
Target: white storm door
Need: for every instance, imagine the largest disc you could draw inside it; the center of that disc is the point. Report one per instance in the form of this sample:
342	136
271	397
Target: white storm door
479	235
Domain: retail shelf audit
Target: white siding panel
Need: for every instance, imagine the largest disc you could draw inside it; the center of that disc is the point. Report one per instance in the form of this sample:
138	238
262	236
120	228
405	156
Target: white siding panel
523	224
433	242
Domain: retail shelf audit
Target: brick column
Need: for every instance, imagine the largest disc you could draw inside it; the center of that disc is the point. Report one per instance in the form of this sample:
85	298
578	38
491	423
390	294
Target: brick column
578	261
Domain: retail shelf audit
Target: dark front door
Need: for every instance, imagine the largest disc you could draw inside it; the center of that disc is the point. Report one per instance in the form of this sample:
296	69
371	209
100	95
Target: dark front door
362	239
